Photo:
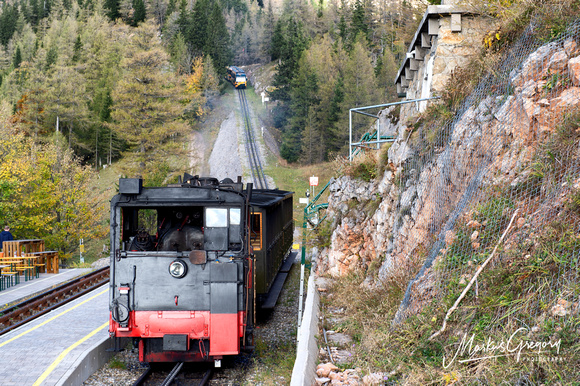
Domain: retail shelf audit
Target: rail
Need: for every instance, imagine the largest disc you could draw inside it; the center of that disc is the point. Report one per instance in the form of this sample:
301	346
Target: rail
256	169
30	309
189	376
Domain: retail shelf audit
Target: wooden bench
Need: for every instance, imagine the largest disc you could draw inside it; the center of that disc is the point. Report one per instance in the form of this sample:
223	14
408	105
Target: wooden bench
47	261
5	281
9	269
10	278
7	277
18	247
27	271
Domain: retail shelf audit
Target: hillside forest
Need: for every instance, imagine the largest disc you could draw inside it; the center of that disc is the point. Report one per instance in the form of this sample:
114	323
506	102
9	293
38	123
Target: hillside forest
85	83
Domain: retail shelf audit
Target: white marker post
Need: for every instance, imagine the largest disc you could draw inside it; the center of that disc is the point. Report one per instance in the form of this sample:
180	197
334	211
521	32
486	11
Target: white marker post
82	249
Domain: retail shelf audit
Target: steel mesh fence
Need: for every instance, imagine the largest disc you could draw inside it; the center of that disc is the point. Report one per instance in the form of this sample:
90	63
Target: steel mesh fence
513	145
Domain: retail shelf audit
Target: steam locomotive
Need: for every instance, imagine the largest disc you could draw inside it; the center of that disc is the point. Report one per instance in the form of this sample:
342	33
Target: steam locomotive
192	261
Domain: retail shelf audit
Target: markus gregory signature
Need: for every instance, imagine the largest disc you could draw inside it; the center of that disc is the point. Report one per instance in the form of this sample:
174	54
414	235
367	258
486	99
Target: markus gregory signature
502	348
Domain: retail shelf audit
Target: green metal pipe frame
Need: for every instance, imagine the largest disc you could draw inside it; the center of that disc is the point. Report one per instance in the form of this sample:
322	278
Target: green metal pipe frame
310	211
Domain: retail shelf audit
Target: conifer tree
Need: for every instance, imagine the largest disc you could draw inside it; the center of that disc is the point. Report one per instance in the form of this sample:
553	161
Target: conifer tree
198	34
303	98
140	13
218	44
17	58
77	50
278	43
8	22
178	52
362	89
113	9
147	106
295	43
358	25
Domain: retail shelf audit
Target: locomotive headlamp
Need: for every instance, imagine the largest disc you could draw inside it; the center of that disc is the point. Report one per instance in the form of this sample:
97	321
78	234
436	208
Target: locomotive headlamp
177	269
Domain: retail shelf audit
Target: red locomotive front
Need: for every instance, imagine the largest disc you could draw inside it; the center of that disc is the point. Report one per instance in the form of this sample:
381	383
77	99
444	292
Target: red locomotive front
181	273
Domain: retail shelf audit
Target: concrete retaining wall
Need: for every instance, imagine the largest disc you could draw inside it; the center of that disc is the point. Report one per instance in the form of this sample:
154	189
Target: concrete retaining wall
304	370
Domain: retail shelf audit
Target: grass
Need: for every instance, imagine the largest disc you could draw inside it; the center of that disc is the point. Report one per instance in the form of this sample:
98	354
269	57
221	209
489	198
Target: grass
496	315
116	363
297	179
276	361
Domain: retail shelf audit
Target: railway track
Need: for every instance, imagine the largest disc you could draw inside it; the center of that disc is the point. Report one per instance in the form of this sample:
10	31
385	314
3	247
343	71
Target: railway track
258	175
187	376
34	307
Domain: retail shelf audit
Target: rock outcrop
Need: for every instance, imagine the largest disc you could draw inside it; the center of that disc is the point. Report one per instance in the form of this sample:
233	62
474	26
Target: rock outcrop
402	221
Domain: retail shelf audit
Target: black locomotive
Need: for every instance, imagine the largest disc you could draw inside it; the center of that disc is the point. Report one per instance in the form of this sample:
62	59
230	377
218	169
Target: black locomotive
191	262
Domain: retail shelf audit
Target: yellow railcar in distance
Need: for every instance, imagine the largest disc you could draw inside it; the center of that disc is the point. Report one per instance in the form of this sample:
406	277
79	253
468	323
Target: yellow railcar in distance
236	76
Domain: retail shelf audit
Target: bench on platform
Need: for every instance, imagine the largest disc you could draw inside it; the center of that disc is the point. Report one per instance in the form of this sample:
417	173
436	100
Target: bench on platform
18	247
47	261
8	279
28	271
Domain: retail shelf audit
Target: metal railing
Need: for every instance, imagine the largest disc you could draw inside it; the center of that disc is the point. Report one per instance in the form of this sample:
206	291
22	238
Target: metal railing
374	138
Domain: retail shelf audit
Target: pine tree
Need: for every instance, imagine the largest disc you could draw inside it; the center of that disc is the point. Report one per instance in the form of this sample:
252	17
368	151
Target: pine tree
362	89
33	14
77	50
296	42
336	139
171	7
268	32
113	8
385	71
148	104
198	34
178	52
184	19
17	58
51	57
8	22
303	98
358	25
343	29
140	12
278	41
218	44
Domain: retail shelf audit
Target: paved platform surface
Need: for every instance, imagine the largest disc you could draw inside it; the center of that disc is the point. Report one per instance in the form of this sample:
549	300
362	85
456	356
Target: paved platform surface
25	289
44	351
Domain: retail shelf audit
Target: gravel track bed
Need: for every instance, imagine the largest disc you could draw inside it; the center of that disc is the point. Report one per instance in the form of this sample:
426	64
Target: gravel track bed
224	160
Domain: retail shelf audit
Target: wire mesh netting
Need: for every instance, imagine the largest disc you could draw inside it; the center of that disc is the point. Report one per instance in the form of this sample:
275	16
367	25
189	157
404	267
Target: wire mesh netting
513	145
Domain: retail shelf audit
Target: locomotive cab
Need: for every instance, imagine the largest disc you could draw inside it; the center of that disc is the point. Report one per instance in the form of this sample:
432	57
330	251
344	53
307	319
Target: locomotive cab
181	273
181	229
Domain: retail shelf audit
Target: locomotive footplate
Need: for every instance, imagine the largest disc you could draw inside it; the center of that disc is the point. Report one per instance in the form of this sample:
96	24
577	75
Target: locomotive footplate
175	342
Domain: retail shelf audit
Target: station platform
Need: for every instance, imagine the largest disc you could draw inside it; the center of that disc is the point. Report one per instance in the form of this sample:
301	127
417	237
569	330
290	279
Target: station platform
62	347
25	289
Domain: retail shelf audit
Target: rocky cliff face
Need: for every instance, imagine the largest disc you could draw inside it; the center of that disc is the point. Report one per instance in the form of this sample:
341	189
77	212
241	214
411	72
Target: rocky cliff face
404	220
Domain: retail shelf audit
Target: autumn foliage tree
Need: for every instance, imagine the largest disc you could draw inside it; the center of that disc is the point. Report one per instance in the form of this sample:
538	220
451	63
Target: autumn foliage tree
45	192
200	85
149	104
